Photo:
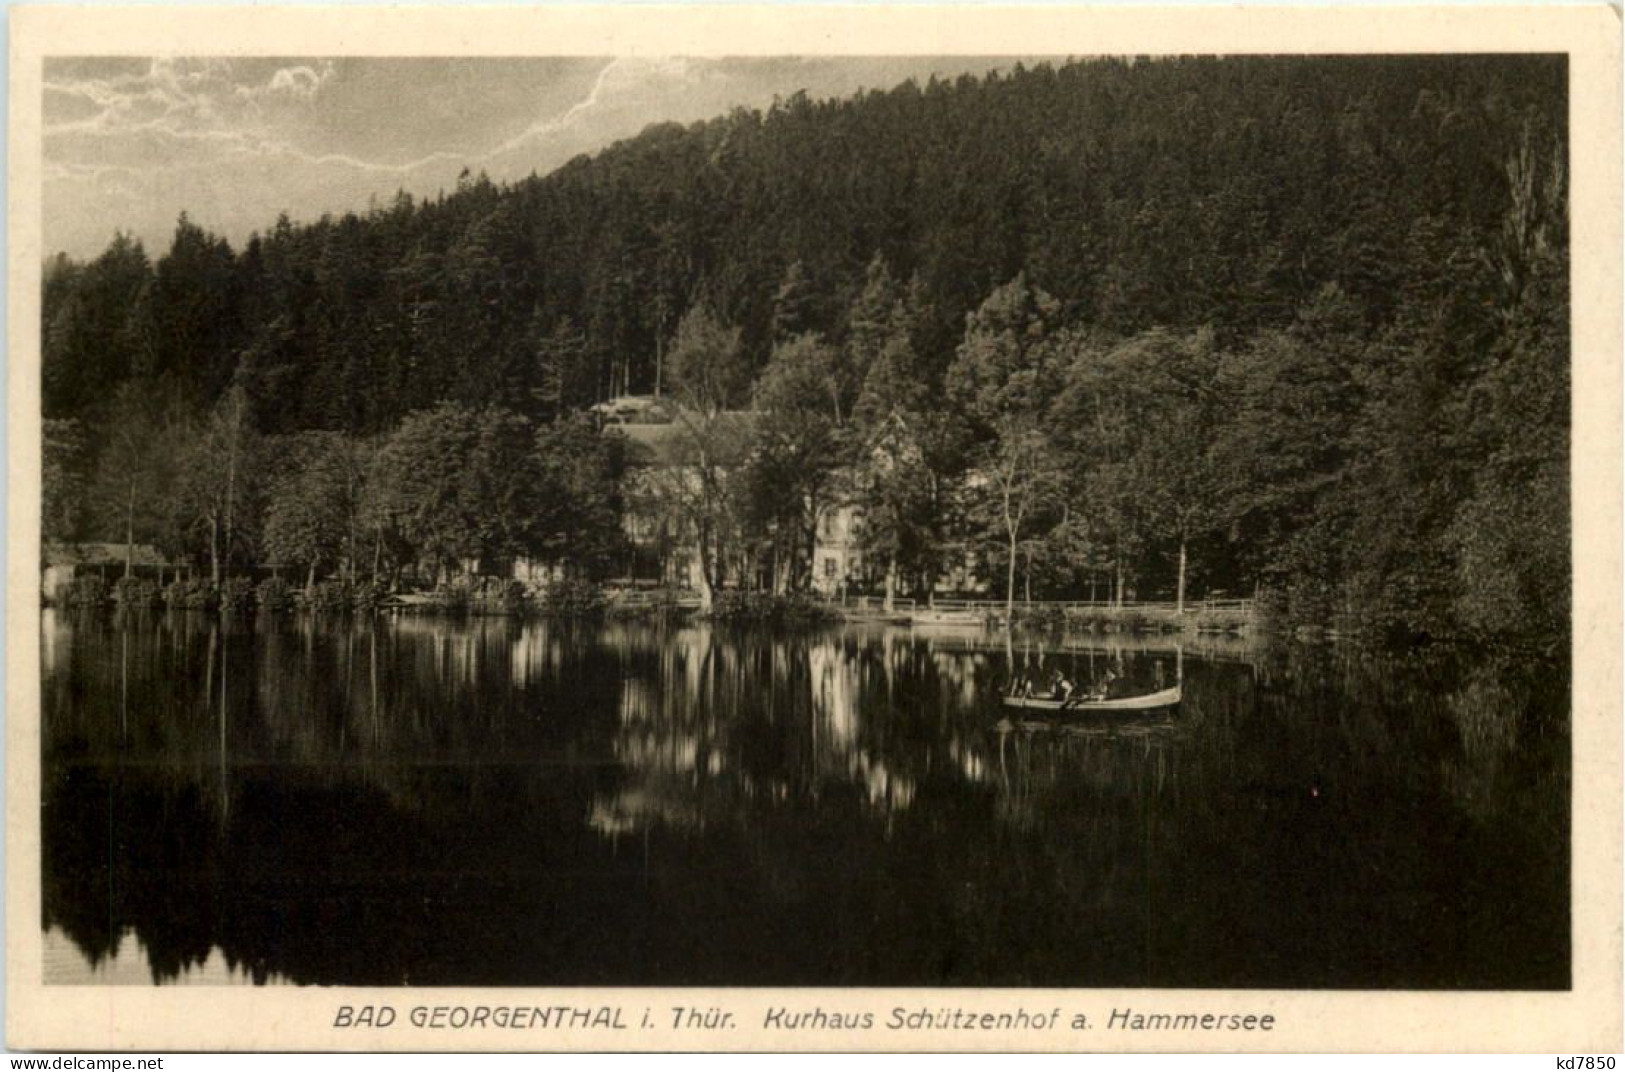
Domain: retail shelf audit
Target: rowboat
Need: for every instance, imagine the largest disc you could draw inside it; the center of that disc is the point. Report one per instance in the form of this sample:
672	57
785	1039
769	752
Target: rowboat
874	617
955	618
1143	702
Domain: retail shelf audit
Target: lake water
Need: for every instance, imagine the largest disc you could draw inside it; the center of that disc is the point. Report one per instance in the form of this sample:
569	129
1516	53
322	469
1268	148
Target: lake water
432	802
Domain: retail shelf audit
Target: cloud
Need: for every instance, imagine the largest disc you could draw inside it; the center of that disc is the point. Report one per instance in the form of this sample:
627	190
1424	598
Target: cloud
183	97
622	81
301	82
554	124
182	114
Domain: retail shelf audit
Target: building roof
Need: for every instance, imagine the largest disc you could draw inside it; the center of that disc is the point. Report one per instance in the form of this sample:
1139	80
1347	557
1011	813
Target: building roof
665	444
636	409
101	554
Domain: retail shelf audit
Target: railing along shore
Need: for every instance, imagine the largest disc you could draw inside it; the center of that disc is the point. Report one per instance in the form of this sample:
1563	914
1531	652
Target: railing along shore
995	608
998	607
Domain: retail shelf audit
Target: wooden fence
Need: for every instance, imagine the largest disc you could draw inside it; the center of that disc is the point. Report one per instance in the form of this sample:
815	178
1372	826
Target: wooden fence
644	597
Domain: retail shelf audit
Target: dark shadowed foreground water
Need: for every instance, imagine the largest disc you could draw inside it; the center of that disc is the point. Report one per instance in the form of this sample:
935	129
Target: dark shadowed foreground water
488	802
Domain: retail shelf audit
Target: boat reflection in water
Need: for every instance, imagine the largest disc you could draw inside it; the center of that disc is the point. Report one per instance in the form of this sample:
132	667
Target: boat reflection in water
489	802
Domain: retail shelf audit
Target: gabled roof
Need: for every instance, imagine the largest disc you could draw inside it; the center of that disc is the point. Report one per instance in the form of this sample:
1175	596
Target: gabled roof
668	444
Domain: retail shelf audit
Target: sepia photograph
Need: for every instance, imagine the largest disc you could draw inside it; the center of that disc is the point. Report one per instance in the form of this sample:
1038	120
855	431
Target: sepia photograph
586	526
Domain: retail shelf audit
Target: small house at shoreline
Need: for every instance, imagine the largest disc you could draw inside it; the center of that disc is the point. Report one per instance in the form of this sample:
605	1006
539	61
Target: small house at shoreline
61	563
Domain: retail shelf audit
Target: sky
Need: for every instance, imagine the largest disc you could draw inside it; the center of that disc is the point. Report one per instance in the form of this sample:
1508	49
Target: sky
129	143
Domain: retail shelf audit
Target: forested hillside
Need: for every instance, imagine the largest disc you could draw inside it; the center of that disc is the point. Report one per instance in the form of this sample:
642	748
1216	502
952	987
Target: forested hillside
1292	325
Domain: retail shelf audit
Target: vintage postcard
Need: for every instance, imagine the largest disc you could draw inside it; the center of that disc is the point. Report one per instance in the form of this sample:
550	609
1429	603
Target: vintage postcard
815	528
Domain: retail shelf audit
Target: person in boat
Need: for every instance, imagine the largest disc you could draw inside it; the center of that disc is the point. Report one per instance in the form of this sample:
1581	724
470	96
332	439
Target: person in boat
1064	687
1103	687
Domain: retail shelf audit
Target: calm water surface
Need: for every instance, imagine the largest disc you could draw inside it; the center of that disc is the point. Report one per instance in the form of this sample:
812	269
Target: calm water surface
488	802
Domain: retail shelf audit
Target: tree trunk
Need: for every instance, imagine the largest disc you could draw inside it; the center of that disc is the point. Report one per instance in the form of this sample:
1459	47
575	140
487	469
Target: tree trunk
707	589
208	677
784	565
891	583
1010	584
231	495
310	580
129	532
1180	601
214	550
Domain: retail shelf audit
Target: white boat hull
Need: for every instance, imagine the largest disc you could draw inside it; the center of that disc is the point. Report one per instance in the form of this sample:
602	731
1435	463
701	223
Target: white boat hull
1145	702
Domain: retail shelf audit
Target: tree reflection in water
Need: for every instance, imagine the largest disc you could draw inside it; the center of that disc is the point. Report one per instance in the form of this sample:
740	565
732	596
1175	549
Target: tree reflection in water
495	802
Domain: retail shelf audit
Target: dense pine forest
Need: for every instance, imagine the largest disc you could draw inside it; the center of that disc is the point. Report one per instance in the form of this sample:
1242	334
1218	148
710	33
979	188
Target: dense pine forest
1289	326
